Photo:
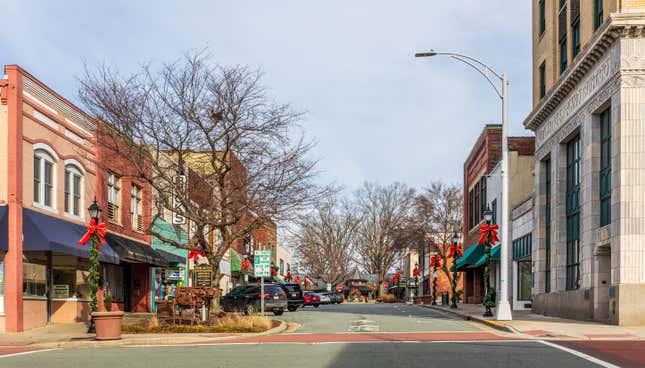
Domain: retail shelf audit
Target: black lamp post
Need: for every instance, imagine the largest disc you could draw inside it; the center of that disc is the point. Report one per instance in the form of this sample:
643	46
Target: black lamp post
94	210
434	280
488	302
455	257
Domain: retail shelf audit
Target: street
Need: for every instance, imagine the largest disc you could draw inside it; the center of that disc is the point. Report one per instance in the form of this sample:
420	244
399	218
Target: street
356	335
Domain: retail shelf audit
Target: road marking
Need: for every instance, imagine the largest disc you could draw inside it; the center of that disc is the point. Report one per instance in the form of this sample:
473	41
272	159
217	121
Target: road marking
329	342
579	354
25	353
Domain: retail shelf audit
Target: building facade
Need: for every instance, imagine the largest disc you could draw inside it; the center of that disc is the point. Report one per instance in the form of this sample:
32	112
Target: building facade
588	110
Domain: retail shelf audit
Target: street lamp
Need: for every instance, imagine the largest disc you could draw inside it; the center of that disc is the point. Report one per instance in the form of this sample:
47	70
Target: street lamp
504	307
94	211
434	280
488	215
455	241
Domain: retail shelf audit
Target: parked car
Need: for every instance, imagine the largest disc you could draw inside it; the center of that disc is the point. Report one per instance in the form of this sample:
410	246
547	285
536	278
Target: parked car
295	297
246	299
335	297
324	298
311	298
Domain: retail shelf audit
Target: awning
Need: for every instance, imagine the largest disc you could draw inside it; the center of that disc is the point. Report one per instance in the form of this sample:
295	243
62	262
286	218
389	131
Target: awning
471	256
236	262
48	233
173	259
134	252
494	256
4	226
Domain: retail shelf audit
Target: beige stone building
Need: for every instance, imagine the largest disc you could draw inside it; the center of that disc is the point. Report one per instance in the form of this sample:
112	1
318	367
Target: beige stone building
588	111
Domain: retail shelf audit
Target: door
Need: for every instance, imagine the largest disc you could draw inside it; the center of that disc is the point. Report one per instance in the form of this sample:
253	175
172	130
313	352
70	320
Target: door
602	281
127	287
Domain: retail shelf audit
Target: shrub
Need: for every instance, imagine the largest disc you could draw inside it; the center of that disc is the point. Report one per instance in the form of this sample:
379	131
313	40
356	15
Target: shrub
228	323
388	298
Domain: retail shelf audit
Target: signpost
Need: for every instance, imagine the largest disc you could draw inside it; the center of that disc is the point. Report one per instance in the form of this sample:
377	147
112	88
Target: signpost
262	268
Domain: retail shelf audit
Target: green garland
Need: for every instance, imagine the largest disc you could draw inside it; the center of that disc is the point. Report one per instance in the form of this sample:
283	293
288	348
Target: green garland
94	272
489	301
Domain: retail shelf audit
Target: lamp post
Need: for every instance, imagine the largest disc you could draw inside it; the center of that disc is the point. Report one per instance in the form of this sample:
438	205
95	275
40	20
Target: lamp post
455	257
94	210
488	216
434	279
504	307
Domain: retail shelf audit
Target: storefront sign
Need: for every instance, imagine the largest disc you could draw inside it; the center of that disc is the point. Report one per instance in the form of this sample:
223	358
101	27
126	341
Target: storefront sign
178	209
262	263
61	291
203	276
174	274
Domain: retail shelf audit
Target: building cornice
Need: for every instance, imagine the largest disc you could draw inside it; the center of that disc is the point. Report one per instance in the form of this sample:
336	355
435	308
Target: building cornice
618	25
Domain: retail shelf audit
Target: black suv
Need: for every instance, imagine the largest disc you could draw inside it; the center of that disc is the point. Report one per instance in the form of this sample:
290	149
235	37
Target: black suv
295	298
246	299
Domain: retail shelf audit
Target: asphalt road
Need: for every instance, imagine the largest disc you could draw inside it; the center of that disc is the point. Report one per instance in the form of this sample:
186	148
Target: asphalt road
348	335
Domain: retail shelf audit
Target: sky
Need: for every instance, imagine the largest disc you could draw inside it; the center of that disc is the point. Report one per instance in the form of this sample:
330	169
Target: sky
377	113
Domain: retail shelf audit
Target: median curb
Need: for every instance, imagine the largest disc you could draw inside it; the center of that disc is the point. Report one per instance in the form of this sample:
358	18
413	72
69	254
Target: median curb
501	326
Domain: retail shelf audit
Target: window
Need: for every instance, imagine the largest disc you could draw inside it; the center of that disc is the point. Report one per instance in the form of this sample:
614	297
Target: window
282	267
73	190
135	208
1	284
547	226
563	55
605	167
542	77
34	279
483	196
542	16
471	219
70	278
524	280
573	214
575	39
114	197
476	204
494	210
43	179
563	3
113	279
597	14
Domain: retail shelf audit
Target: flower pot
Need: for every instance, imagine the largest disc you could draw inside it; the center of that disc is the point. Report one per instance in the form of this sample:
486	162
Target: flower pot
108	325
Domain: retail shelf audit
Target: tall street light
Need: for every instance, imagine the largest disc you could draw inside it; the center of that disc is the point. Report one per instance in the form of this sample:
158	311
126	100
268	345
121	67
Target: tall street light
504	307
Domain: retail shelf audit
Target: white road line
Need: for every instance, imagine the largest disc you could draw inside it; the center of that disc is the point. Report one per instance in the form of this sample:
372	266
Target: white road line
331	342
579	354
25	353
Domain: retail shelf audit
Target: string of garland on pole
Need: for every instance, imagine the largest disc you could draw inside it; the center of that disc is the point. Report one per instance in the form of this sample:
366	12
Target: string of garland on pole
488	238
455	252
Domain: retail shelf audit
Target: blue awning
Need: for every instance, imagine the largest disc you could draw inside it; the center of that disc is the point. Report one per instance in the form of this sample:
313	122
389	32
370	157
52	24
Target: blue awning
4	228
47	233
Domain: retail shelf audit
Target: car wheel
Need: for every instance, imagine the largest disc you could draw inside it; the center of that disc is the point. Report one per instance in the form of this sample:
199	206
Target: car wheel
316	305
278	312
250	309
292	309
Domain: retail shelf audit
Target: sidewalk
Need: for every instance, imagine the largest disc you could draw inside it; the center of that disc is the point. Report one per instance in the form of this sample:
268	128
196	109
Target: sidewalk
530	325
74	335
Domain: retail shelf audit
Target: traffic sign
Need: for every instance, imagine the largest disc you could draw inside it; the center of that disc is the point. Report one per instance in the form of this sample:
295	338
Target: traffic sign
262	263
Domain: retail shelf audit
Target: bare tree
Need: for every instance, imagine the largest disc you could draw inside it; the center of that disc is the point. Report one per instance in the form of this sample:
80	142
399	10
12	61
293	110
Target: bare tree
324	241
439	209
244	160
385	211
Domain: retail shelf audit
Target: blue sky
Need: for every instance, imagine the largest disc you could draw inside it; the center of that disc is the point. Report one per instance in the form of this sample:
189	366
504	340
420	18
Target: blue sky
377	113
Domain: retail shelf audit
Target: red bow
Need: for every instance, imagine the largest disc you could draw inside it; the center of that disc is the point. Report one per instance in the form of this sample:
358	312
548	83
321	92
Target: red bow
288	277
246	265
455	251
485	230
396	278
435	261
274	272
297	279
194	254
416	272
306	282
94	228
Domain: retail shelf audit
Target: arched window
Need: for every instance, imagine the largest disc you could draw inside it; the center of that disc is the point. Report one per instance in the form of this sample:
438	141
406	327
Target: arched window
44	178
73	190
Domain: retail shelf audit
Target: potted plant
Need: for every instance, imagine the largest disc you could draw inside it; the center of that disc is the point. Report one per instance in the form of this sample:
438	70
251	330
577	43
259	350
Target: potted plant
107	324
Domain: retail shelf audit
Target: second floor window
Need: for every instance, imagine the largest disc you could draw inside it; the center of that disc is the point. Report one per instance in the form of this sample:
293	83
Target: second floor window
575	39
542	16
563	55
542	77
43	179
135	208
114	197
73	177
597	14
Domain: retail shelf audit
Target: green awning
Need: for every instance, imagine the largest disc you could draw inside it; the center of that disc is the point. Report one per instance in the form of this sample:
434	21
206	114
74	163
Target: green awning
236	262
494	256
471	256
173	233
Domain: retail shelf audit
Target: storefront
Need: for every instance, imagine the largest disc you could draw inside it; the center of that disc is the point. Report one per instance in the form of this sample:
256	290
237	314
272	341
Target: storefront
166	279
3	249
522	272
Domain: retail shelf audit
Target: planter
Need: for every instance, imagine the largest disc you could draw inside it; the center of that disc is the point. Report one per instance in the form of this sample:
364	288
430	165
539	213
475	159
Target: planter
108	325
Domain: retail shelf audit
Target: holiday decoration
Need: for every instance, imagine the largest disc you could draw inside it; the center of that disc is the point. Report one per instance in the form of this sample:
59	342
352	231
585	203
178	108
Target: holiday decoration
94	228
435	261
455	251
246	266
488	233
274	272
297	279
288	277
195	254
396	278
95	232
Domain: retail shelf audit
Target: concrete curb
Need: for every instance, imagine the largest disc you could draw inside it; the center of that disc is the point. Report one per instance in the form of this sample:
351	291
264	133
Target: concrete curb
501	326
157	339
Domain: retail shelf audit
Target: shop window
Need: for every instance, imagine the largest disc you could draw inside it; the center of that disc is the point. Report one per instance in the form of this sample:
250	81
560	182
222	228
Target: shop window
524	280
573	214
70	278
44	179
34	279
114	197
113	281
135	208
73	190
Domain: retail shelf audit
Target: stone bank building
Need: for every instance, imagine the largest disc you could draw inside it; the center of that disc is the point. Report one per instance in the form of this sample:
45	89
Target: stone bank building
589	121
